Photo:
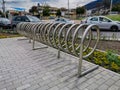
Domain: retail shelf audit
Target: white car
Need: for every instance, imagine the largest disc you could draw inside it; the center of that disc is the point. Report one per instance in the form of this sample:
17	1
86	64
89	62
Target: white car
63	20
103	23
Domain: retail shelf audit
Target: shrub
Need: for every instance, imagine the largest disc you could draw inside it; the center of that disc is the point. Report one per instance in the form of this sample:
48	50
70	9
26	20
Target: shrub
108	59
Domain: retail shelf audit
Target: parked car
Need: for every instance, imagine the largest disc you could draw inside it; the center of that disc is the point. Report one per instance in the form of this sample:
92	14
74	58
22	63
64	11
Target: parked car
26	18
63	20
5	23
103	22
51	17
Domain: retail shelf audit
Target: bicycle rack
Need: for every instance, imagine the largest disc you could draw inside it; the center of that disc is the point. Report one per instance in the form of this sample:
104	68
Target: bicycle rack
75	39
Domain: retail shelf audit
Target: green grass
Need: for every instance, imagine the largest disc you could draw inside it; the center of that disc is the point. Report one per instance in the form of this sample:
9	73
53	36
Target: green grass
114	17
80	18
2	35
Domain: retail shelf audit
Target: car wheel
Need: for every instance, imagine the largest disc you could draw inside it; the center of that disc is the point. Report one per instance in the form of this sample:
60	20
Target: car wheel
114	28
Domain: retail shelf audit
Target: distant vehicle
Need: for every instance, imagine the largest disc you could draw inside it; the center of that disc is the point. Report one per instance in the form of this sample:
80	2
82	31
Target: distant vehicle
26	18
51	17
5	23
103	22
63	20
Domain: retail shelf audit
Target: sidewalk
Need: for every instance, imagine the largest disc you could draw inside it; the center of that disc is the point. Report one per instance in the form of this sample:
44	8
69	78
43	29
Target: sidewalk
22	68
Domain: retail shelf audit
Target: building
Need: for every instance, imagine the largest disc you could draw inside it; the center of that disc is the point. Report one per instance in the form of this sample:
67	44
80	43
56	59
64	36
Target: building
53	11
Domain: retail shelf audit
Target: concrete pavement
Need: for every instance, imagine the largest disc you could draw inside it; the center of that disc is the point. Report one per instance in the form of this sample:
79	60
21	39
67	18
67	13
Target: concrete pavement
22	68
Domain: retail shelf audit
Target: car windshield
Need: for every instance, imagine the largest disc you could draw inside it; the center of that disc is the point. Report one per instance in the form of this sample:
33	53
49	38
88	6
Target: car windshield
33	19
94	19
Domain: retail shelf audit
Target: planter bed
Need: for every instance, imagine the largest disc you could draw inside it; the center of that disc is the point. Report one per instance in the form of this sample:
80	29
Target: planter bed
107	55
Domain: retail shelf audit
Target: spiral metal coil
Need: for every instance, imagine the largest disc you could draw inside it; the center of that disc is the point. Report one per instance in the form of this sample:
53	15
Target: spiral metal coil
76	39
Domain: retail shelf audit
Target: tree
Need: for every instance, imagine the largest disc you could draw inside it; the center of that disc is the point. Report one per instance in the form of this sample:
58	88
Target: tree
106	3
46	11
7	12
33	10
58	13
1	14
15	14
80	10
116	7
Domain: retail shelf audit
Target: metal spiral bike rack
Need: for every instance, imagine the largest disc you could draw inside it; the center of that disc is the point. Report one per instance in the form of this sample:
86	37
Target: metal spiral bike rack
75	39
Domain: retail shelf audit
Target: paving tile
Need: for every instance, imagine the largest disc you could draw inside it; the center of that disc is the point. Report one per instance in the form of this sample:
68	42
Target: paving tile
0	77
54	88
83	86
22	68
54	83
98	76
62	85
43	88
103	87
115	78
45	82
110	82
72	85
5	85
4	89
114	87
100	81
33	87
65	88
117	83
91	80
23	87
93	86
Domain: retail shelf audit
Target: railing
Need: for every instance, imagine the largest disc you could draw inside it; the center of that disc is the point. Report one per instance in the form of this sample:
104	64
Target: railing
75	39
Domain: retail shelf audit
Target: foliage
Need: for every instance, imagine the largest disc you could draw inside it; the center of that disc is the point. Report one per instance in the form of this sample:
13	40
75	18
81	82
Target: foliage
8	34
114	58
116	7
107	59
1	14
8	31
114	66
7	12
46	11
80	10
58	13
114	17
111	56
33	9
16	14
106	3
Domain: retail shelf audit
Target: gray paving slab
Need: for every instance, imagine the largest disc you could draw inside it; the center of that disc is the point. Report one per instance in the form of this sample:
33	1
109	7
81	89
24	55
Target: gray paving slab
22	68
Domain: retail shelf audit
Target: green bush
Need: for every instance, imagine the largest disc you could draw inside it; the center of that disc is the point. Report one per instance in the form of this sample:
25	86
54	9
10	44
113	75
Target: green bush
108	59
8	34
